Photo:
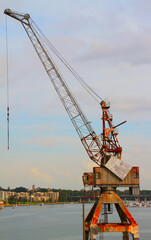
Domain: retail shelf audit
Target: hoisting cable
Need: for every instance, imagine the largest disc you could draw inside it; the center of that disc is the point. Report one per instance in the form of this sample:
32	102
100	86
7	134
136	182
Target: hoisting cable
62	59
7	77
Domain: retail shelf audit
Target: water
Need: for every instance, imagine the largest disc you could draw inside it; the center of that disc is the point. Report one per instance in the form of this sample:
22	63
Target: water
58	222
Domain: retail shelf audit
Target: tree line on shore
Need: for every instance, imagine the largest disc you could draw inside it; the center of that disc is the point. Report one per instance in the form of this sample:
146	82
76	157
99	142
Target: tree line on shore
66	195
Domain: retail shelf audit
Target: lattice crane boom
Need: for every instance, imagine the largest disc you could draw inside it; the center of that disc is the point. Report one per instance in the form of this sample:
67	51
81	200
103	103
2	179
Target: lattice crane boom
88	137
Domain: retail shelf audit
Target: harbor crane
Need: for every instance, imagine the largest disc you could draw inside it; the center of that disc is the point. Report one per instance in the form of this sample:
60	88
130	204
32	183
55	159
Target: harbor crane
106	151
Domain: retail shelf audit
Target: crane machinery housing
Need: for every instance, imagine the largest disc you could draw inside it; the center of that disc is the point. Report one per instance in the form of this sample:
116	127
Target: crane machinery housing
106	152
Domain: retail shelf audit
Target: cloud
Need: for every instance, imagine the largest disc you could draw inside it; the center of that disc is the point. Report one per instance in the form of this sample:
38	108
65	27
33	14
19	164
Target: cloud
37	127
40	176
52	141
131	104
146	175
107	43
127	47
88	165
66	174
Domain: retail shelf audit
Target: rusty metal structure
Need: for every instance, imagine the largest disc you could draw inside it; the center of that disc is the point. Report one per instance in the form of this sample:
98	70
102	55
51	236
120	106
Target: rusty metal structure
105	151
112	173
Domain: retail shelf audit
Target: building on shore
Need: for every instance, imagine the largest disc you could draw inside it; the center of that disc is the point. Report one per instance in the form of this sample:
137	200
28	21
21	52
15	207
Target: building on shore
35	196
33	188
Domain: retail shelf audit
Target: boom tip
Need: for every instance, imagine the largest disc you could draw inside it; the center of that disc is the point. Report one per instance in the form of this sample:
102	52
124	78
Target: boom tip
7	11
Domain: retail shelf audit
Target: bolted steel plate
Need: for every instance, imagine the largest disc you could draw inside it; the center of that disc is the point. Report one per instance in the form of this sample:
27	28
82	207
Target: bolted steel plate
118	167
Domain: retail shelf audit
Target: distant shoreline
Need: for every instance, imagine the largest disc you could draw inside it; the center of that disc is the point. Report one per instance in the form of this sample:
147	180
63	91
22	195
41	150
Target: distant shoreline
37	204
130	204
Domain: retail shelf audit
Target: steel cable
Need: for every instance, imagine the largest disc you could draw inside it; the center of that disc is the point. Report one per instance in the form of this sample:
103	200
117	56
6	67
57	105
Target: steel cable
62	59
7	79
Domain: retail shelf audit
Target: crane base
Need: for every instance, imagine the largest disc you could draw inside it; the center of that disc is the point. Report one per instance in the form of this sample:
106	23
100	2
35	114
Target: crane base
127	225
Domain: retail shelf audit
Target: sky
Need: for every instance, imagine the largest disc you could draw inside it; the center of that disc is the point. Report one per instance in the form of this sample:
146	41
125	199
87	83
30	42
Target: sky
108	42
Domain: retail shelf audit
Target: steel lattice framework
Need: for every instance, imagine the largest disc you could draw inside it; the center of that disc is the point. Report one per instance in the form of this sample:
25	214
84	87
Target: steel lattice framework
88	137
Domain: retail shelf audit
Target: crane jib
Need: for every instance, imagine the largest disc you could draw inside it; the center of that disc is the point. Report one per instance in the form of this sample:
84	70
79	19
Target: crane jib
90	141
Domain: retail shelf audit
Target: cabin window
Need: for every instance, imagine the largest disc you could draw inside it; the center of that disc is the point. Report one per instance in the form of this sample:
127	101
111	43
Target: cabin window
85	179
136	175
98	175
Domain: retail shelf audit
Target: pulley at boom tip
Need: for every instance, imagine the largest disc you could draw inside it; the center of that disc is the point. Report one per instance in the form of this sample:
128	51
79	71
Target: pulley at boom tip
7	11
23	18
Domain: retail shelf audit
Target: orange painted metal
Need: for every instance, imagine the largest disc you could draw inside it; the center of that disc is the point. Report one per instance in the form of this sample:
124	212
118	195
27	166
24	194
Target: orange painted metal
110	141
108	182
127	224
